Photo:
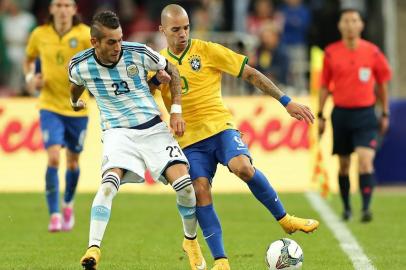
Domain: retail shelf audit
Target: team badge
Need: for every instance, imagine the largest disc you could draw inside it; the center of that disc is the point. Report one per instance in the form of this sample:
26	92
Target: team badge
195	62
132	70
364	74
73	42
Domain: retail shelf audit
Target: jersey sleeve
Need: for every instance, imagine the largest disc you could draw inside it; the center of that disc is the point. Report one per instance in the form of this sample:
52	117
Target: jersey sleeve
74	76
326	71
32	50
226	60
153	60
382	71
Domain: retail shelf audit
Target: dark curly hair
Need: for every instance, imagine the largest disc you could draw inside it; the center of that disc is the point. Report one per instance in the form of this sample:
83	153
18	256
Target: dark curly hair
107	19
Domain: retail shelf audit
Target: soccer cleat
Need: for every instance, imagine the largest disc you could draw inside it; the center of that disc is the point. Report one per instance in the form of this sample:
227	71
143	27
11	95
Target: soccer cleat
221	264
291	224
347	215
55	223
192	250
68	219
366	216
91	258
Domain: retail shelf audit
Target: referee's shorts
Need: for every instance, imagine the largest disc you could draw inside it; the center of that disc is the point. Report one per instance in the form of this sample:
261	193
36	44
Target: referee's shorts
353	127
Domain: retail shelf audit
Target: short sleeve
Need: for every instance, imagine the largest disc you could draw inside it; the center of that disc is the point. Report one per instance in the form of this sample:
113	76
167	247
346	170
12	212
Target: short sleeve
382	71
74	74
326	71
153	60
226	60
32	50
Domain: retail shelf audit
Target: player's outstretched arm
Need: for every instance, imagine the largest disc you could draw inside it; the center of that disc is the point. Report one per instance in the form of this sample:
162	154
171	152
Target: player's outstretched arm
177	123
75	92
259	80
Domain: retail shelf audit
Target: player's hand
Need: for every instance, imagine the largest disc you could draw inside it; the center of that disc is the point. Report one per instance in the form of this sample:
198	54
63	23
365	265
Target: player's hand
35	83
177	124
322	125
78	105
163	76
300	112
383	125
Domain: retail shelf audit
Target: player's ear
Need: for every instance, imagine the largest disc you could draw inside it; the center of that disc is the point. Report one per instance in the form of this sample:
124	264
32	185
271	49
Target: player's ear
93	41
161	29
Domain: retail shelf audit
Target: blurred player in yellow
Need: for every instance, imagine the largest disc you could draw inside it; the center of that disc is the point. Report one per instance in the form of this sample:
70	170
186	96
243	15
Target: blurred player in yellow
54	44
211	136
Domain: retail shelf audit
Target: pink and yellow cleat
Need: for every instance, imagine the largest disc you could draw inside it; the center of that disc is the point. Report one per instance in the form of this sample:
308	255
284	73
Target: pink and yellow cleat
55	223
68	219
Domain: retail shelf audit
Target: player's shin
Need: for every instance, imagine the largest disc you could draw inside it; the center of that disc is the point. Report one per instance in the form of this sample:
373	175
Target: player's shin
72	177
101	207
263	191
52	190
186	202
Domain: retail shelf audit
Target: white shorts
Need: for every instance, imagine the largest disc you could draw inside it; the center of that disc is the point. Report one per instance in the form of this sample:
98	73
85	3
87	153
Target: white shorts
135	150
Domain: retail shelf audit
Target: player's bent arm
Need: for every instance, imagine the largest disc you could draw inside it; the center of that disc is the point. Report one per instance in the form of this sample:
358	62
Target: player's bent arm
176	121
259	80
75	92
174	84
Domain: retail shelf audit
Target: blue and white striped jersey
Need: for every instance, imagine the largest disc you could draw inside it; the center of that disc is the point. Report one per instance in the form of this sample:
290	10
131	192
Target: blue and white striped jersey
121	90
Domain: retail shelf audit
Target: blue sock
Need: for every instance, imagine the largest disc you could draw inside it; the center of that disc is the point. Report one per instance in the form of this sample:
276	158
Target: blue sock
72	177
210	224
52	189
263	191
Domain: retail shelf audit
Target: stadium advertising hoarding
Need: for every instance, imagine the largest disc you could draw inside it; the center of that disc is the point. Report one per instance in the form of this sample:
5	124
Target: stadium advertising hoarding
280	146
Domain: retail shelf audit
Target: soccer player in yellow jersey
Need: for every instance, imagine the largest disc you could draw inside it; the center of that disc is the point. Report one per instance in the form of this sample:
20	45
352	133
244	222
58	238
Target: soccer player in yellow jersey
54	44
211	137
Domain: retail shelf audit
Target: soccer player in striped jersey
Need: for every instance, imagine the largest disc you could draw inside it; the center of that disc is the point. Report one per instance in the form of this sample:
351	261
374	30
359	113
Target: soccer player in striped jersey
54	44
211	135
134	136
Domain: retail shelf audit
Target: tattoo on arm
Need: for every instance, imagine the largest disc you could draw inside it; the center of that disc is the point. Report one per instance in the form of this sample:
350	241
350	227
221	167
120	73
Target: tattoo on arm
260	81
174	84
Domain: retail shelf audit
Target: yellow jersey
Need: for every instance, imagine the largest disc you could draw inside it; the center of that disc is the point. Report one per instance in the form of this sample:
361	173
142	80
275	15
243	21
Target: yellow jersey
55	52
201	66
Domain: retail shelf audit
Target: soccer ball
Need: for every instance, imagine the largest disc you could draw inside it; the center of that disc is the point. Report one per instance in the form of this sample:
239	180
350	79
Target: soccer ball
284	254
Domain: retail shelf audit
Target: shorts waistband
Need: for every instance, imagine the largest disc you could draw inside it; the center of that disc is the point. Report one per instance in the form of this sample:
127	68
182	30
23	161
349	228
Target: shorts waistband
156	120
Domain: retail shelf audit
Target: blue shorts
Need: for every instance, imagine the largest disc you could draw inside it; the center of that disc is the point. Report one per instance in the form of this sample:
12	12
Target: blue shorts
63	130
204	156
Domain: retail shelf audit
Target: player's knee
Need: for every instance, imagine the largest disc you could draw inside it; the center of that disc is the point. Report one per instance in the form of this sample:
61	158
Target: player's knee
245	171
203	193
344	167
72	165
365	166
53	161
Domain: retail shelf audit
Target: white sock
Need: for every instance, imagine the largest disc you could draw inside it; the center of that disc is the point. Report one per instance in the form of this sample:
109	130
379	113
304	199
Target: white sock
101	207
186	202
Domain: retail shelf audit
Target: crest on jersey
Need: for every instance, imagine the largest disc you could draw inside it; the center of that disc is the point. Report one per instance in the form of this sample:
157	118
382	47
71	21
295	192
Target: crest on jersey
364	74
195	62
132	70
73	42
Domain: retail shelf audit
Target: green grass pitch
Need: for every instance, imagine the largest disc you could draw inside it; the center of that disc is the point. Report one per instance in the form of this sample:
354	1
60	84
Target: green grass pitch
145	233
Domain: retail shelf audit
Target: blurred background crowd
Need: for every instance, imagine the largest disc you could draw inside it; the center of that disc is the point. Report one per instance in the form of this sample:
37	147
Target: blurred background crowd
275	34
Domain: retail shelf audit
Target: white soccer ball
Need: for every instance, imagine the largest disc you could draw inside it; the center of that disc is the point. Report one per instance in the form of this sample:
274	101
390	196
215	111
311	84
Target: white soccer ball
284	254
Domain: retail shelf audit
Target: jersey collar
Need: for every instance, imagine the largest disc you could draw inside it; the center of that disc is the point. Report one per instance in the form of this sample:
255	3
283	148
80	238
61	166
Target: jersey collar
104	65
179	59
